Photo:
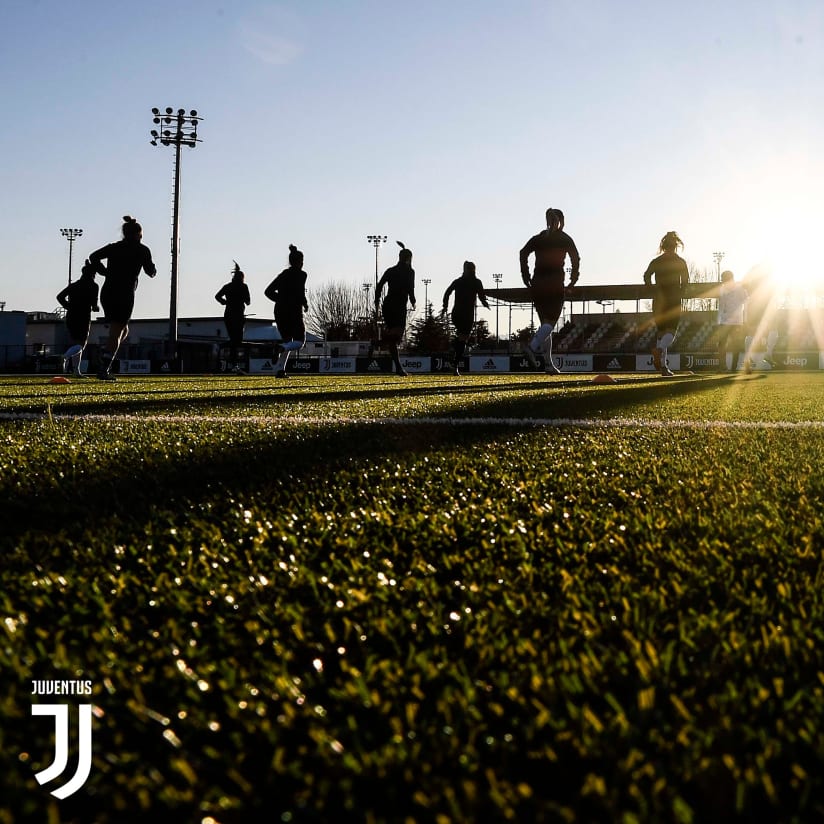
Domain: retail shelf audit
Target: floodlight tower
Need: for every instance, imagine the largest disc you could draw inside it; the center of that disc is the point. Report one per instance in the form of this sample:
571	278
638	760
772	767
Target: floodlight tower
376	241
179	129
71	235
497	277
426	312
718	256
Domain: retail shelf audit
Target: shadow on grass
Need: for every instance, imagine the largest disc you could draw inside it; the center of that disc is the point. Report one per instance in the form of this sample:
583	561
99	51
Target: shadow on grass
124	491
554	397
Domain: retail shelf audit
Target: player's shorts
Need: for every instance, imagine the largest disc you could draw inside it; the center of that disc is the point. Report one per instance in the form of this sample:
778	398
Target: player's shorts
234	328
77	325
290	323
117	302
463	320
666	308
548	294
394	313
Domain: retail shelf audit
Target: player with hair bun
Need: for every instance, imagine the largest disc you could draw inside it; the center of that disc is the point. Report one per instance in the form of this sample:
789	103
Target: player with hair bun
288	292
551	248
125	259
671	278
79	299
467	289
400	288
234	296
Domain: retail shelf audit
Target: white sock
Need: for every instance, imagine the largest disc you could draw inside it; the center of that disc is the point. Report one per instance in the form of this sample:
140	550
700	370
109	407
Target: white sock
280	366
544	331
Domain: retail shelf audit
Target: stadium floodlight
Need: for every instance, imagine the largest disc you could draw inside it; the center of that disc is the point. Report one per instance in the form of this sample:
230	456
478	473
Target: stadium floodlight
497	277
376	241
71	235
426	311
184	134
718	257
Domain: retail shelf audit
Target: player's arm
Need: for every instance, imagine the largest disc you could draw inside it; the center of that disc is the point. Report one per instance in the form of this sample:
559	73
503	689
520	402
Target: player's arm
247	298
96	259
524	257
220	296
574	261
62	297
648	275
482	294
450	289
271	291
148	264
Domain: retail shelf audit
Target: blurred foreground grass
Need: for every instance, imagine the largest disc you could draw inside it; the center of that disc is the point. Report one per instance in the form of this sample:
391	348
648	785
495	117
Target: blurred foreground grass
294	603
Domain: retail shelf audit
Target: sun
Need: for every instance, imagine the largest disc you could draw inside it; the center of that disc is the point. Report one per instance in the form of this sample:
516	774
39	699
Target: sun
790	252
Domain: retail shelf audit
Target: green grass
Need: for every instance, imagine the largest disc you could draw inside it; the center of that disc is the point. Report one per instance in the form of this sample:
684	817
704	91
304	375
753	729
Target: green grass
316	598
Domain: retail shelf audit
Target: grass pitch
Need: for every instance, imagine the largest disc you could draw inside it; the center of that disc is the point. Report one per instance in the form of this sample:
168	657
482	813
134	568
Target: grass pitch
476	598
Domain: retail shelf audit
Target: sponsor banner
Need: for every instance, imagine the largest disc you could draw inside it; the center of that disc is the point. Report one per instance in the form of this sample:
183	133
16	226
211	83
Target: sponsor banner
294	366
613	363
798	360
519	363
135	367
573	363
413	364
165	366
701	362
488	363
262	366
441	363
336	365
374	365
301	366
643	363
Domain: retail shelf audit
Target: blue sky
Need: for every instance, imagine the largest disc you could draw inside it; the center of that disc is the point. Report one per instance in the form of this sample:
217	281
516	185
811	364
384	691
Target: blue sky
451	126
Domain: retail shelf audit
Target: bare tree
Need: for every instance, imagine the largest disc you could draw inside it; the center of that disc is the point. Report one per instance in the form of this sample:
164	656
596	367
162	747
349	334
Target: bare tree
700	276
339	311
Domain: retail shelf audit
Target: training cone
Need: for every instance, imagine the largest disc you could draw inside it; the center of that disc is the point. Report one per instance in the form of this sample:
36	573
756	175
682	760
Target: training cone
603	379
59	379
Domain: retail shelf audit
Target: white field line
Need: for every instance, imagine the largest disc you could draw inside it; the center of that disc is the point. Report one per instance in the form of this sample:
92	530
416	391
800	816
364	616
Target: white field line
280	420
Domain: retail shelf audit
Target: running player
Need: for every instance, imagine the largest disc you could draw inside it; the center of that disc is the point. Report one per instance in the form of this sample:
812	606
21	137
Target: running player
731	302
671	276
467	289
288	292
79	299
550	248
235	297
761	315
125	259
400	288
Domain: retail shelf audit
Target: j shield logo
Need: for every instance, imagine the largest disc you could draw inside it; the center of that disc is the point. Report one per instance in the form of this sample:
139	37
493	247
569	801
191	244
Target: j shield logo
61	747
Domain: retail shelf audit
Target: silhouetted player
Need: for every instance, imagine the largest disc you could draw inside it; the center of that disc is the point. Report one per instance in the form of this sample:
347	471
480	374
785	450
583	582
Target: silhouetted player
671	277
235	297
762	318
288	291
125	259
732	299
550	248
467	288
79	299
400	288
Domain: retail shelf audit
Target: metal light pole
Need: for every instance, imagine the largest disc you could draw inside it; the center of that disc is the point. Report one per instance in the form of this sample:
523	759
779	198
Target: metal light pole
497	277
426	311
376	241
179	130
718	256
71	235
